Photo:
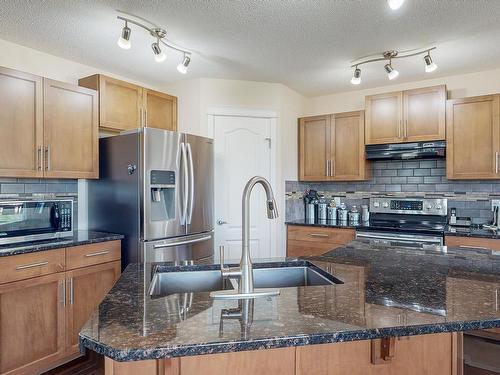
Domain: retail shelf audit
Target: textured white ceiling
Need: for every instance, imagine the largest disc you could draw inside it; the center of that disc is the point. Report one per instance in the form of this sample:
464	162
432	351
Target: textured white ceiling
306	45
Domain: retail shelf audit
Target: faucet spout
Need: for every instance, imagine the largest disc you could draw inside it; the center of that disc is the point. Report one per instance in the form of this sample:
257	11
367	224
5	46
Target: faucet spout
246	279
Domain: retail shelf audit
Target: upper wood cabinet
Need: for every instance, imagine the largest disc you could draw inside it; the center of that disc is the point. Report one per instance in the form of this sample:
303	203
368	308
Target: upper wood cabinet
331	147
472	138
70	131
124	106
48	128
406	116
314	148
21	124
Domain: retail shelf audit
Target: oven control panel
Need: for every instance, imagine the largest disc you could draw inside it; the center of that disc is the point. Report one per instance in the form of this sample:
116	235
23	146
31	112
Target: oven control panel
414	206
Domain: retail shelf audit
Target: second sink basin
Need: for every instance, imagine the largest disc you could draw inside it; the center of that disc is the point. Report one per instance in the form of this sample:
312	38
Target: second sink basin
287	276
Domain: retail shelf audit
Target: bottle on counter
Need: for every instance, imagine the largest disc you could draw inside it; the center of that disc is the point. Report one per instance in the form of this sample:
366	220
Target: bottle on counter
365	213
354	216
322	209
342	213
331	211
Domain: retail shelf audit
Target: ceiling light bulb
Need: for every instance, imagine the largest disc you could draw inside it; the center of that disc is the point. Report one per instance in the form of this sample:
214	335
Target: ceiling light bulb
356	76
183	66
124	40
430	65
395	4
160	56
391	72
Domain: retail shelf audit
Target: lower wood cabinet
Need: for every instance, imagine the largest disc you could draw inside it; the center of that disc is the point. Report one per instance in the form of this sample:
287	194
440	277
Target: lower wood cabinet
85	289
434	354
32	324
472	243
41	315
311	241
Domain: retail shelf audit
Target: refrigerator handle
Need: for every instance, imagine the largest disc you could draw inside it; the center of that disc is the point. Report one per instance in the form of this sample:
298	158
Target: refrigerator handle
184	167
191	184
182	242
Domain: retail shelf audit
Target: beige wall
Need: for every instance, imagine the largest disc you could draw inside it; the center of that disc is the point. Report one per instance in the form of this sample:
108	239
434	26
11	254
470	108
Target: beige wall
458	86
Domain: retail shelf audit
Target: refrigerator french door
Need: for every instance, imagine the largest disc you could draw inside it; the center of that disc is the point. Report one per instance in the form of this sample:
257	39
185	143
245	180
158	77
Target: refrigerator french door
156	188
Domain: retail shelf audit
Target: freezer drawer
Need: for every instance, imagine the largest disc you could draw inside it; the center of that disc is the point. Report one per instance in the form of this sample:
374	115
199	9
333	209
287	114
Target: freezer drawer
194	247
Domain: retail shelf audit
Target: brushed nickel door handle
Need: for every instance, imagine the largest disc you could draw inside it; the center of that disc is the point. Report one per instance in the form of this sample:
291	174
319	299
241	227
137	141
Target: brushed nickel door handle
97	254
496	162
318	235
71	292
39	158
327	168
47	158
32	265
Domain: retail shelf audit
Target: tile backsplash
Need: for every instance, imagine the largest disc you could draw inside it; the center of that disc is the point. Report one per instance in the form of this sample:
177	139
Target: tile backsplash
404	178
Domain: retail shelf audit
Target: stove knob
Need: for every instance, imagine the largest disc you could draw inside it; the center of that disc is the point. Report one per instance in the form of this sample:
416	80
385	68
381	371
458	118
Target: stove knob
376	204
385	204
438	207
429	207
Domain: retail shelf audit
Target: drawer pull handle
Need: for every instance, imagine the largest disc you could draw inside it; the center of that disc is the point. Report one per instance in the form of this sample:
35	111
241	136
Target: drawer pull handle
473	247
97	254
32	265
318	235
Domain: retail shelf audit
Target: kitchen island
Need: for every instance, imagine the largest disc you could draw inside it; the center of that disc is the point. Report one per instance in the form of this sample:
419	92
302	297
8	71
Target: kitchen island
359	325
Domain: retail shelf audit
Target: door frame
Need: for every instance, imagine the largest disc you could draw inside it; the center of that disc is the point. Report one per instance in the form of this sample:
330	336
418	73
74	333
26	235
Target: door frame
272	116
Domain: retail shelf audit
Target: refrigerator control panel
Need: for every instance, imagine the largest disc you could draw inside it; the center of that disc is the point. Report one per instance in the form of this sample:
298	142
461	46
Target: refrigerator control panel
162	177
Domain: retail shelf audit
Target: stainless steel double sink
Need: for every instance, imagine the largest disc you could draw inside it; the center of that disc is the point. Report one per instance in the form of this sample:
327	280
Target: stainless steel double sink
287	276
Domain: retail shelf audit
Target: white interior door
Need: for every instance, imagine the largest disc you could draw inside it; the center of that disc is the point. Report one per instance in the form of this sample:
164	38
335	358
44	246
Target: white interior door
242	150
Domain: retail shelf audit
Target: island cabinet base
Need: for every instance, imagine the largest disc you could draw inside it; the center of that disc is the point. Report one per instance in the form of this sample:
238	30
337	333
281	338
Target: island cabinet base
434	354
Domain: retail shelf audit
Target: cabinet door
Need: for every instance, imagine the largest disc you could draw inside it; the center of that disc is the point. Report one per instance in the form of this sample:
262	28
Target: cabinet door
384	118
161	110
472	138
20	124
424	114
86	288
348	146
31	324
70	131
314	148
120	105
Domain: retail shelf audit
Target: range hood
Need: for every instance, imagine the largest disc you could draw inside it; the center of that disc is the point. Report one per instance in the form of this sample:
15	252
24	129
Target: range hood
403	151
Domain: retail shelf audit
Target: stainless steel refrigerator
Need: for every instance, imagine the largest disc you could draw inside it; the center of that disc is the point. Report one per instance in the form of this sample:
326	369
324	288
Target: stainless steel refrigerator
157	188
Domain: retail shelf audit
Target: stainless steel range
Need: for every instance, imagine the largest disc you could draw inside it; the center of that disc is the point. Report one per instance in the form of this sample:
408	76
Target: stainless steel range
406	220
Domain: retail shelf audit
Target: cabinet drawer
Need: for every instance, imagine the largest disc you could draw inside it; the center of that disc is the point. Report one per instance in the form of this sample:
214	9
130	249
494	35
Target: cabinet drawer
308	248
472	243
88	255
328	235
25	266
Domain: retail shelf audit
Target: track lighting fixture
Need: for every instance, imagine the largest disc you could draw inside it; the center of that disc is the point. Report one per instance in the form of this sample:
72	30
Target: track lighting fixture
160	56
158	33
124	40
395	4
356	76
392	73
183	65
430	65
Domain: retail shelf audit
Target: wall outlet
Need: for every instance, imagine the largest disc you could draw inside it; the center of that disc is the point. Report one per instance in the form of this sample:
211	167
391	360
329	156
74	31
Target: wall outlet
495	203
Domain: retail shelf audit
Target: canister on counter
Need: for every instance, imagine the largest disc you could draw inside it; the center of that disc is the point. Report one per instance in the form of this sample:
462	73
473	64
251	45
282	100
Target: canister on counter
322	209
342	212
354	216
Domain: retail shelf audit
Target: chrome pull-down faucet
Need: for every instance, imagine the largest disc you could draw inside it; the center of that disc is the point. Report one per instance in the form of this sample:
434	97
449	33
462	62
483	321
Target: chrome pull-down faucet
245	270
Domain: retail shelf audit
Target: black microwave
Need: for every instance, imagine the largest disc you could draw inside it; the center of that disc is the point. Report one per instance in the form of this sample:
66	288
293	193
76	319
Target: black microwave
33	220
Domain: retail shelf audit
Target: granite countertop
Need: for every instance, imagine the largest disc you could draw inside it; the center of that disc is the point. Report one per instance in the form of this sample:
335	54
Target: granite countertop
327	223
387	291
473	231
80	237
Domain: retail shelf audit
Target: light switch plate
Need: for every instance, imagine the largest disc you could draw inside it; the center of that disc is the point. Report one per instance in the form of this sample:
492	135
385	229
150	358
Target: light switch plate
495	203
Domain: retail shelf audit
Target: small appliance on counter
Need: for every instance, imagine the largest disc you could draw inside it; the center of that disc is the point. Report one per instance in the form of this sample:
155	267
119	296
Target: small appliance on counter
456	221
35	220
365	213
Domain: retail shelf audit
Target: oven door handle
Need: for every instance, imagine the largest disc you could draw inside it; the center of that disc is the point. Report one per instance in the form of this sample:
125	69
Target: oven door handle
435	240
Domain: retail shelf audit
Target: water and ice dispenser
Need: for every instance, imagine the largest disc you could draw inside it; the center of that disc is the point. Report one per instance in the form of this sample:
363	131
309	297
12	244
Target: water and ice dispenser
162	185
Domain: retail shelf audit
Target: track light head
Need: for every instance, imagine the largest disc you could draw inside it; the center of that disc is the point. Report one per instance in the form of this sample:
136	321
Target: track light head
124	40
356	76
430	65
391	72
183	66
395	4
160	56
